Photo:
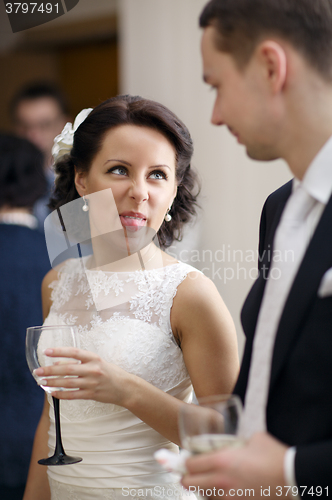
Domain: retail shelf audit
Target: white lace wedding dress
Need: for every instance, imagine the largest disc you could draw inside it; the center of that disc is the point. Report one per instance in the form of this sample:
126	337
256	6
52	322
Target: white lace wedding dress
125	318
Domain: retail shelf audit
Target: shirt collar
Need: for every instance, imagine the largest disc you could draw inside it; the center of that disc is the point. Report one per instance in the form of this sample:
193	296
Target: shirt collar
317	180
19	218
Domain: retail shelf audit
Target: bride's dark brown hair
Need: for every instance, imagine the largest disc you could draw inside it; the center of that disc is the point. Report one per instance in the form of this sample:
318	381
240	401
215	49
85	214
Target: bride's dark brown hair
132	110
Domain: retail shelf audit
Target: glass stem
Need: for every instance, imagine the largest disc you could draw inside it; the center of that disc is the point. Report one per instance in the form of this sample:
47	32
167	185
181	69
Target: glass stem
58	441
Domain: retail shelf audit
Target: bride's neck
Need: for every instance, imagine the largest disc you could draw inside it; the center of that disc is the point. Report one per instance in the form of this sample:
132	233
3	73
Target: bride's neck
145	258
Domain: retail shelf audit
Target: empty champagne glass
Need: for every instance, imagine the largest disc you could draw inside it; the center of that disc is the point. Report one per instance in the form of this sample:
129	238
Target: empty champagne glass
211	425
39	338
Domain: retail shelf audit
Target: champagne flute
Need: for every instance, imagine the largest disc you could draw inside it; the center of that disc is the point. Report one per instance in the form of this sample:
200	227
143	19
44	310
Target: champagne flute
39	338
211	425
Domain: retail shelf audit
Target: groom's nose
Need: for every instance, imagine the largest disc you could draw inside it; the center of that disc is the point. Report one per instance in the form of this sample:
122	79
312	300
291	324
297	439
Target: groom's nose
216	118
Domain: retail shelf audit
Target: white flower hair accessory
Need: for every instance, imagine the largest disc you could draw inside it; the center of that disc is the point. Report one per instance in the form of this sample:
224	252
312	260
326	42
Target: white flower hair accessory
63	142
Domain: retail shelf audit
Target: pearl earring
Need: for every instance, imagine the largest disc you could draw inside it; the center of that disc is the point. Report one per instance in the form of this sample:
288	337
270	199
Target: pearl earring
168	216
85	207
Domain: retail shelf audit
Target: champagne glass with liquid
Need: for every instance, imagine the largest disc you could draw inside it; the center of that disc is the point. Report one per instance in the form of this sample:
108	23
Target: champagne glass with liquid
39	338
211	425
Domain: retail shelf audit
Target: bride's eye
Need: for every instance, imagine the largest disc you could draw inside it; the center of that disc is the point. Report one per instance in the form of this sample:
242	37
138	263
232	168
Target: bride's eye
118	170
158	175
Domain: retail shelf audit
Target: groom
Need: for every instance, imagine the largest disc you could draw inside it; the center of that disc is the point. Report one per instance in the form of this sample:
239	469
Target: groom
270	63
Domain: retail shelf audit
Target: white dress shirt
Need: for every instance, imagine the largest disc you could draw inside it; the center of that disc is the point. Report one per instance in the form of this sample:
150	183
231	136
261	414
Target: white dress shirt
317	185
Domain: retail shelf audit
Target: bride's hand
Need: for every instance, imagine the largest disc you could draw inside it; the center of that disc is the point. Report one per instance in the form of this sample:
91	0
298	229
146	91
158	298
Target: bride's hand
92	378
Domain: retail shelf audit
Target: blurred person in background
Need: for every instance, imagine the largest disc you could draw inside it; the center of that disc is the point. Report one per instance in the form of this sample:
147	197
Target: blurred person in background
23	263
39	112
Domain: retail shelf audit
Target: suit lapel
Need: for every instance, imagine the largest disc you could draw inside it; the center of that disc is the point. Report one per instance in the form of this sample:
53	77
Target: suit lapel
269	221
317	259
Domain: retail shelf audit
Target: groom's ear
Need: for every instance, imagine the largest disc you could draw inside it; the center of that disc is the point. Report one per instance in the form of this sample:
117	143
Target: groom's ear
80	182
273	61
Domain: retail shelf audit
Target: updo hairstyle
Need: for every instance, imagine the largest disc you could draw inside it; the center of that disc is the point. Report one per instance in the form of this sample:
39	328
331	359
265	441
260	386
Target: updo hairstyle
132	110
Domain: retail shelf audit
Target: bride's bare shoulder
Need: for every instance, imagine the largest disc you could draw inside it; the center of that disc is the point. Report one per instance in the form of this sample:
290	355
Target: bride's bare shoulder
197	297
50	277
53	274
196	288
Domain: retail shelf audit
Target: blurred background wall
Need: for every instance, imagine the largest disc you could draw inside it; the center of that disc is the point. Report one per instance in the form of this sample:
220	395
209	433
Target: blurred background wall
151	47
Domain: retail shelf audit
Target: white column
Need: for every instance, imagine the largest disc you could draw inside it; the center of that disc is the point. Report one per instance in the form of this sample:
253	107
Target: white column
160	59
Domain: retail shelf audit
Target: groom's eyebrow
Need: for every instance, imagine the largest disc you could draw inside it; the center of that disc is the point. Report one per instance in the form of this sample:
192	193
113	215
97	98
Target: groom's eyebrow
117	160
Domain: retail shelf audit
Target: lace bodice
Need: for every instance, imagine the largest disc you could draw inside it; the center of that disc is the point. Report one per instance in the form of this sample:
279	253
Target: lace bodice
87	298
125	318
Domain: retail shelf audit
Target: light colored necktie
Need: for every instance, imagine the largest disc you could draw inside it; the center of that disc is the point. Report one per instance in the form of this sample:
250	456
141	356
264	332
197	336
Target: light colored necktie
289	247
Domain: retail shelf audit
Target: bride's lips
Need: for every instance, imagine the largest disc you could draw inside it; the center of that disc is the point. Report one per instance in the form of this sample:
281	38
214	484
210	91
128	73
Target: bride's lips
132	221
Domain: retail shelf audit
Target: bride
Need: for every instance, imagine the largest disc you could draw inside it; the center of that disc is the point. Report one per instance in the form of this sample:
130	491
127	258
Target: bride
150	327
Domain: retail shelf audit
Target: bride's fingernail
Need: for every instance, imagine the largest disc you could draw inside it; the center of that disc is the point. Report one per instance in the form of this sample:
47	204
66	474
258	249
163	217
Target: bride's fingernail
42	382
38	371
48	352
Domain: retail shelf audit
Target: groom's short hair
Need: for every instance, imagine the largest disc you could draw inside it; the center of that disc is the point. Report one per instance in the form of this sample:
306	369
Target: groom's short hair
242	24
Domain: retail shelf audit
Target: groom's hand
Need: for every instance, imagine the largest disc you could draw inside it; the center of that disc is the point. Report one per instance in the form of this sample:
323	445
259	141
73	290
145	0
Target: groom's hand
245	471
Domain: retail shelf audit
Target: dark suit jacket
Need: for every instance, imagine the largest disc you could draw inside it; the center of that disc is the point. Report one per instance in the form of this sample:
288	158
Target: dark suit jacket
299	408
23	264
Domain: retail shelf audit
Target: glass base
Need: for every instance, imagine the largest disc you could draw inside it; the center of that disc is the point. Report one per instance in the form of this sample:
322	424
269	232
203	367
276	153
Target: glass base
60	460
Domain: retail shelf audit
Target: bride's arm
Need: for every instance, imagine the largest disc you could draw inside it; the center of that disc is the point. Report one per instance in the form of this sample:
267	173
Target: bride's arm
207	336
206	333
37	487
